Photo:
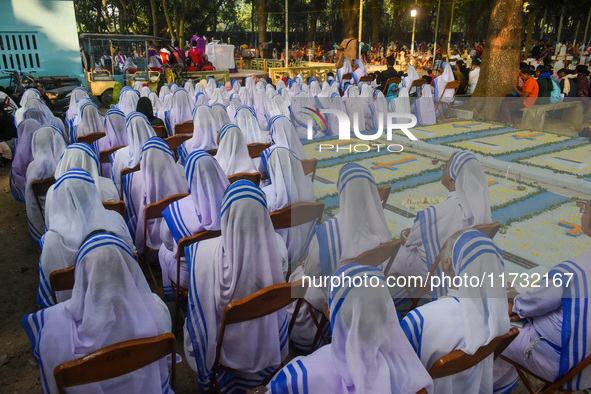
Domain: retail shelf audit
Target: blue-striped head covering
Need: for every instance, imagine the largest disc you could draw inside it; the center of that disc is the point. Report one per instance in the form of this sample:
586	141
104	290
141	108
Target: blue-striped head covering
114	111
191	163
242	189
458	162
227	127
156	143
102	239
133	117
351	171
469	246
75	173
247	107
84	147
194	110
275	118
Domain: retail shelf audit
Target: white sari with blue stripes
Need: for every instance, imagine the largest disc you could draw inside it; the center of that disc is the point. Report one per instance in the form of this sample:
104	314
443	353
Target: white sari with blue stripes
205	133
246	258
466	319
89	120
111	302
369	352
73	211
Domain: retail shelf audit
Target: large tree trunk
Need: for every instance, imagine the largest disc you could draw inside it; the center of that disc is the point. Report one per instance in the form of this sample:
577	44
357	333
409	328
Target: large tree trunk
500	62
154	17
376	13
262	20
350	14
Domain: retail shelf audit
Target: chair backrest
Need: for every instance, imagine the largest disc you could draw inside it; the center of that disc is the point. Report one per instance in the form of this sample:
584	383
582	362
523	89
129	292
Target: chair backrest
418	83
297	214
191	239
176	140
489	229
452	85
255	150
41	186
366	78
154	211
392	80
212	152
347	76
127	171
160	131
384	252
310	166
62	279
105	155
116	360
254	177
458	361
384	193
184	128
90	138
117	206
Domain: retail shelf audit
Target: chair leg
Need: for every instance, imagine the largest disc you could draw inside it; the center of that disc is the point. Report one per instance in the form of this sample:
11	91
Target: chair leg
525	381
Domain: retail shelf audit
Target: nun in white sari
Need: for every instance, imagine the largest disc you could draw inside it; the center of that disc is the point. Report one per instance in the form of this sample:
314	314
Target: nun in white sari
211	87
379	109
284	134
280	106
359	72
128	100
346	69
82	156
22	156
232	108
400	104
424	107
359	226
159	177
467	318
116	135
139	131
467	205
89	120
219	96
180	111
369	352
166	106
73	211
47	147
232	153
262	108
440	82
156	103
190	215
247	121
407	81
76	94
205	133
246	258
111	302
246	97
220	114
201	99
289	186
164	90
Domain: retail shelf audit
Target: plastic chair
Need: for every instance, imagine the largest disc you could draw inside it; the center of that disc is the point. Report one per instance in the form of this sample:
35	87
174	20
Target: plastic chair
310	166
116	360
154	211
92	137
458	361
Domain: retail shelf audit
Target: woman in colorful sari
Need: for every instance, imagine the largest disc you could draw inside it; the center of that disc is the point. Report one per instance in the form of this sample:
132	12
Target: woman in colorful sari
73	210
111	302
246	258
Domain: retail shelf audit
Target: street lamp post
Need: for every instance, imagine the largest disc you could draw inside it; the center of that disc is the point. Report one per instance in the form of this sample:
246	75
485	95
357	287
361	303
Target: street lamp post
413	14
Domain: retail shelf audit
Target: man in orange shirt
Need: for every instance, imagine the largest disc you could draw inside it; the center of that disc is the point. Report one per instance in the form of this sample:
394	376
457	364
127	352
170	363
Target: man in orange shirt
529	91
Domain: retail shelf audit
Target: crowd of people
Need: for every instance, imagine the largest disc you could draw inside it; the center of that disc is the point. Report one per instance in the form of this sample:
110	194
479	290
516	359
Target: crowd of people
371	348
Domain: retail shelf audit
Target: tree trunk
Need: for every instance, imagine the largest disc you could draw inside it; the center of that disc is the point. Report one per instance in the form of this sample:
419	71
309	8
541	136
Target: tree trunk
181	31
500	62
376	13
350	14
154	17
312	31
262	20
530	32
171	29
471	36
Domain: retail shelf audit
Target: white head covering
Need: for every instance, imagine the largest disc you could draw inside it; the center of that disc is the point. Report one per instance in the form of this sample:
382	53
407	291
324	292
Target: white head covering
190	88
440	83
128	100
471	188
246	96
284	134
346	69
154	62
181	110
246	119
76	94
315	89
82	156
73	211
173	87
411	76
280	106
22	157
111	302
219	96
232	153
201	99
262	107
270	90
401	104
139	131
89	120
359	226
211	86
220	114
424	107
145	91
156	103
164	90
235	103
129	64
116	134
166	106
379	107
229	268
235	85
159	177
205	133
47	146
199	88
359	72
28	94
